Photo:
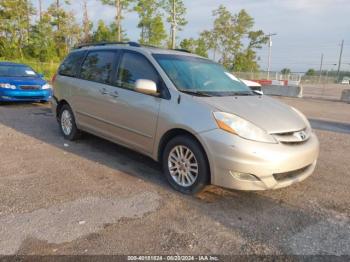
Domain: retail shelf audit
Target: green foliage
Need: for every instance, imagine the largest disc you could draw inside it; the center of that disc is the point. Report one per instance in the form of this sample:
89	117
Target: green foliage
14	27
196	46
67	31
228	35
310	72
150	23
180	12
25	38
42	45
175	11
286	71
120	7
102	33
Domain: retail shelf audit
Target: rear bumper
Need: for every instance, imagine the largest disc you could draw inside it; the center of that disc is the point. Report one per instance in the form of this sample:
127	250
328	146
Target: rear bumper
12	95
247	165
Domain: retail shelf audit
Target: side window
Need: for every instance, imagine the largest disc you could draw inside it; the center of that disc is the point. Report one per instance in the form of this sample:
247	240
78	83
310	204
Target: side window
71	64
134	67
98	66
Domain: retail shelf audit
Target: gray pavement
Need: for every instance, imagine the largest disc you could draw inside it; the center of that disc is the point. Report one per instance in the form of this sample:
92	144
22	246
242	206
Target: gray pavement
95	197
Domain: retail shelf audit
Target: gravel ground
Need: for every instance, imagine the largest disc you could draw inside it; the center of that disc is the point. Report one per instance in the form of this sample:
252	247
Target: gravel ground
95	197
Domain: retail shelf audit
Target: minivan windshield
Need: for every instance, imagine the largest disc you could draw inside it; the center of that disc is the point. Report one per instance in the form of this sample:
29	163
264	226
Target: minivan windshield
16	71
199	76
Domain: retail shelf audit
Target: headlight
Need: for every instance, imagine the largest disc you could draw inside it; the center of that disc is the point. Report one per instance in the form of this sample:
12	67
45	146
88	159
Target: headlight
243	128
7	86
46	86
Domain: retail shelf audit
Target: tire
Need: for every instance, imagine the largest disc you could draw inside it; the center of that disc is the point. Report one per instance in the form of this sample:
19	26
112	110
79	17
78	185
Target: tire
180	173
72	133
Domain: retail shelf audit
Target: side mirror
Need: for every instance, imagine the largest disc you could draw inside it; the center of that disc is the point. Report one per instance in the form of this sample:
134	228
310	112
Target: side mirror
41	75
146	87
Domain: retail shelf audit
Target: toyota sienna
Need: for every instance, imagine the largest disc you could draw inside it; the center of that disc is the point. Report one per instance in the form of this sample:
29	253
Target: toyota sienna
199	121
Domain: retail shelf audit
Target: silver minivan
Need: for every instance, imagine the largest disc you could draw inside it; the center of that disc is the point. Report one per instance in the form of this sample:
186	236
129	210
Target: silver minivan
187	112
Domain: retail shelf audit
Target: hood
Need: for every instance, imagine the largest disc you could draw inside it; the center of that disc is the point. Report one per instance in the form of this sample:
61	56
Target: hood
22	80
264	112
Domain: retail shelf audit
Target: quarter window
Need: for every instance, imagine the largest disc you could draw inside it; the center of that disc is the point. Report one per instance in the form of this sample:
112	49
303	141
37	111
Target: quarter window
98	66
134	67
71	64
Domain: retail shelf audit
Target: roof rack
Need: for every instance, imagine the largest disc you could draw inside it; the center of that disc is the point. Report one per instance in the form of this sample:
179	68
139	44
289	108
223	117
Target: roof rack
108	43
134	44
182	50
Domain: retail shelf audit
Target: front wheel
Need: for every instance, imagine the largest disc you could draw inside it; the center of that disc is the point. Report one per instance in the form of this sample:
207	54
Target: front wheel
67	123
185	165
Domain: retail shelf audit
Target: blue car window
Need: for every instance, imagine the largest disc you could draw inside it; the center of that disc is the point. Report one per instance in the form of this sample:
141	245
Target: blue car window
16	71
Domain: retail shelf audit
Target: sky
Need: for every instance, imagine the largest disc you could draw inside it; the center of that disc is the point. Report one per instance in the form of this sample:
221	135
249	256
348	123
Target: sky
305	28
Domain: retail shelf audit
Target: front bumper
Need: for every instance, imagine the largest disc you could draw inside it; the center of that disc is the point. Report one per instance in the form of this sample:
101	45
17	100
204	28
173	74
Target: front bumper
12	95
242	164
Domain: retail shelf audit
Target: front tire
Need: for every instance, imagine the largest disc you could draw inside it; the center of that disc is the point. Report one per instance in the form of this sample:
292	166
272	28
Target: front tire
67	124
185	165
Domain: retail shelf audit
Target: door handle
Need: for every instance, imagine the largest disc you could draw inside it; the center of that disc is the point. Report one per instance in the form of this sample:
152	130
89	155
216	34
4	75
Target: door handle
103	91
114	94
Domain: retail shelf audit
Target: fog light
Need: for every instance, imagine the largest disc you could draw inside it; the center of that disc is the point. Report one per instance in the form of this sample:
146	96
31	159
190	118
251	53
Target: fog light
243	176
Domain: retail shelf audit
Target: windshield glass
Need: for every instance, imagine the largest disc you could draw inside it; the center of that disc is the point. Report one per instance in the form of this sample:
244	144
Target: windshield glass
16	71
202	76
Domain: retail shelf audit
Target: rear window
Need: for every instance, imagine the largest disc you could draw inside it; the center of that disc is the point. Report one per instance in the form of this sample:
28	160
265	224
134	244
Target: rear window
70	66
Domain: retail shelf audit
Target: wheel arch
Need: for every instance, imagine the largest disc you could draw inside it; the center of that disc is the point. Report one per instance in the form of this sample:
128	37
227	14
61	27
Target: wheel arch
60	104
170	134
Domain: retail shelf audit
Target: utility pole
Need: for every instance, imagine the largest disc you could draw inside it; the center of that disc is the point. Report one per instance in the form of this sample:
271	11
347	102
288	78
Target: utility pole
269	58
340	58
321	67
173	27
40	9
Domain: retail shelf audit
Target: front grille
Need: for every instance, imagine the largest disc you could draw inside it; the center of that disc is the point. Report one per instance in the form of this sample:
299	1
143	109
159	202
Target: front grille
290	174
295	137
30	87
29	97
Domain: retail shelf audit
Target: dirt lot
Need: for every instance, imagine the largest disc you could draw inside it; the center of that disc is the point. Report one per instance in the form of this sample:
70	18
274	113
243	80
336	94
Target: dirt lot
94	197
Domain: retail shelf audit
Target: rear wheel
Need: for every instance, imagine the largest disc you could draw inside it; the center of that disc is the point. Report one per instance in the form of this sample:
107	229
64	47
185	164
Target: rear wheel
67	123
185	165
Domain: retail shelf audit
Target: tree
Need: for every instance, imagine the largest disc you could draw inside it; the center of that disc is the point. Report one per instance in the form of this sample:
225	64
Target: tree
286	71
246	60
67	32
87	24
196	46
176	11
150	23
42	45
310	72
120	7
229	33
102	33
15	17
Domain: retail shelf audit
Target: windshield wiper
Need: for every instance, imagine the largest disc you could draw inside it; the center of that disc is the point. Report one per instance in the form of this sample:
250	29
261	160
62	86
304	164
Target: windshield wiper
242	93
193	92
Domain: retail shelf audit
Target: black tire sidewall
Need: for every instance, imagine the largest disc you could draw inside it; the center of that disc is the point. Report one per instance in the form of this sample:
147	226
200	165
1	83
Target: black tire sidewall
203	167
75	132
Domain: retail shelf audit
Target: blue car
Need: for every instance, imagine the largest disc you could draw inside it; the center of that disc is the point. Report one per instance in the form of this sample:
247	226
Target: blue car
19	82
